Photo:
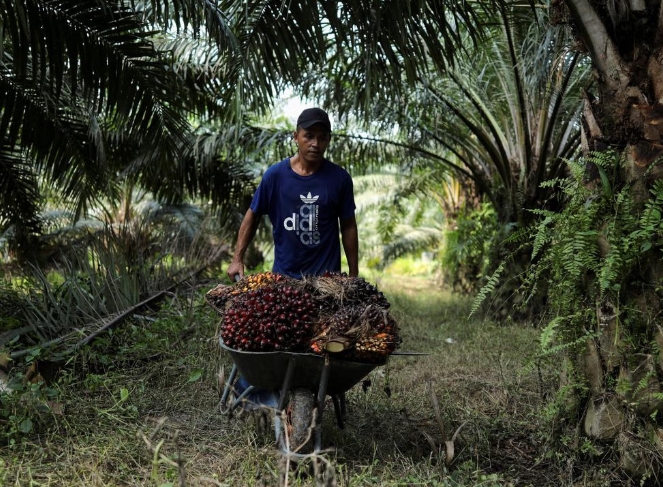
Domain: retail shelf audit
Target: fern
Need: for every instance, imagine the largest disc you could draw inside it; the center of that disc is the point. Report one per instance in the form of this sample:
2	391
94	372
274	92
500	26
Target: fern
581	273
548	333
569	345
487	289
543	235
610	271
650	225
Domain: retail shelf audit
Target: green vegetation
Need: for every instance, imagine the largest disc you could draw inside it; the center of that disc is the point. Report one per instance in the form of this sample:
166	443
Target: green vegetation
140	407
125	124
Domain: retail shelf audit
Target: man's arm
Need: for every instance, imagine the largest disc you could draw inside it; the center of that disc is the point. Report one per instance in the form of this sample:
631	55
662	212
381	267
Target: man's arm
350	239
247	230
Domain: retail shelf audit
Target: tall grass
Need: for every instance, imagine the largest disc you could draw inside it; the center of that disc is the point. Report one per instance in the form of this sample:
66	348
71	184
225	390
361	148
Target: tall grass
88	284
467	413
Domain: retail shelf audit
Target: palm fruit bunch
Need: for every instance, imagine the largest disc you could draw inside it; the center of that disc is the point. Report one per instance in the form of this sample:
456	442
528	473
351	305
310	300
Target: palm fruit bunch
363	332
337	331
332	313
277	316
340	290
257	281
219	297
382	339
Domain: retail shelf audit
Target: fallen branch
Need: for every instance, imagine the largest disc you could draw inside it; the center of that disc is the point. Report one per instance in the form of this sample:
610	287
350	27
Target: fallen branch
130	311
122	316
4	337
55	341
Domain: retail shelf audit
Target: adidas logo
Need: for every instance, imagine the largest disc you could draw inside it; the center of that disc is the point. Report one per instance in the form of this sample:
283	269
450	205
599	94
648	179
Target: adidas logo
308	199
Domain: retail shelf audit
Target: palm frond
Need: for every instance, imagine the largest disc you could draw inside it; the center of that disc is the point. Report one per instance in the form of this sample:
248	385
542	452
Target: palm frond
410	240
19	191
521	130
181	220
53	137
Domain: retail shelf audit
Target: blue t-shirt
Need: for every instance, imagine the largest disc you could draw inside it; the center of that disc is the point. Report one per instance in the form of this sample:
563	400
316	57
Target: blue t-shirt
305	212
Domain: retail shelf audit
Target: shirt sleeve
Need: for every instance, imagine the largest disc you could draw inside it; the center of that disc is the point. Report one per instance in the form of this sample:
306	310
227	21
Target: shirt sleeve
348	202
260	201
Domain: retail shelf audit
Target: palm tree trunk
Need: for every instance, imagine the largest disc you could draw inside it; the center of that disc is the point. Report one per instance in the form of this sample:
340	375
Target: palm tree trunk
623	367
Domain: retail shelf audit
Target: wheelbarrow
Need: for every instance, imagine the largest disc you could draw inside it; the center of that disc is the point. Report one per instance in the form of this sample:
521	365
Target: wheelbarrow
304	380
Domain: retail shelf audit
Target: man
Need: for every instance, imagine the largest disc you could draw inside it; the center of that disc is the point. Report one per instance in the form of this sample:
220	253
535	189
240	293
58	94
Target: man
307	198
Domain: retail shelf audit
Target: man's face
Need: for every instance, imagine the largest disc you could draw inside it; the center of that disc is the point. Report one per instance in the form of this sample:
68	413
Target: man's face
312	142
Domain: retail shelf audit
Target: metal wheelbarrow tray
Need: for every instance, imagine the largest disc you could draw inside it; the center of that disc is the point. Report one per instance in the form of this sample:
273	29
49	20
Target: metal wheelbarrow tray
289	371
269	370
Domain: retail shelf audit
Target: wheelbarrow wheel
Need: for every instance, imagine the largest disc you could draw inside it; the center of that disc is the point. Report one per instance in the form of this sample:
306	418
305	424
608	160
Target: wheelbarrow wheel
300	421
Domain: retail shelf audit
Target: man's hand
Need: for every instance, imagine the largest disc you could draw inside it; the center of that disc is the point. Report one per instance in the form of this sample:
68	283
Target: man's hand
235	269
247	231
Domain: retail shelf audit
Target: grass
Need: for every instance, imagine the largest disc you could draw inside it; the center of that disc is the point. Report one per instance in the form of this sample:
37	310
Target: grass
149	416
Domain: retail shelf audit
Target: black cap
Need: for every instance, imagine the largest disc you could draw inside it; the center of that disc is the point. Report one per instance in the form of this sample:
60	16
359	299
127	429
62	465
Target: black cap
311	116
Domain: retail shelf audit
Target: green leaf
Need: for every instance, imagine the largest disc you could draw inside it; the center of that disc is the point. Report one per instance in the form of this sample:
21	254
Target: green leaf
487	289
195	375
548	333
33	354
124	394
605	182
25	426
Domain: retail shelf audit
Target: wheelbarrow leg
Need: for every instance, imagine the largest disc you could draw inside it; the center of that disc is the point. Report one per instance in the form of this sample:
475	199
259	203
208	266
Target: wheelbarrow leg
290	371
226	391
285	389
322	392
339	409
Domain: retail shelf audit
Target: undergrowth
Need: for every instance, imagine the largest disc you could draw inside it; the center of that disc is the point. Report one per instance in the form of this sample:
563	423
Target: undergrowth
466	413
599	262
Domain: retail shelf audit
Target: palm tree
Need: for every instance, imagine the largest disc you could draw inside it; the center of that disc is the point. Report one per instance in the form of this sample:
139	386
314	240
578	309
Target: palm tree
107	89
623	145
104	95
510	116
502	122
504	119
88	102
93	89
395	216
